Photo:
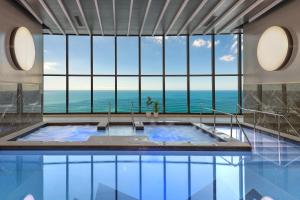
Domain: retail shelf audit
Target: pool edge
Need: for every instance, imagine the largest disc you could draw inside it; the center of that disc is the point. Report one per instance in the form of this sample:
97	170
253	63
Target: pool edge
121	143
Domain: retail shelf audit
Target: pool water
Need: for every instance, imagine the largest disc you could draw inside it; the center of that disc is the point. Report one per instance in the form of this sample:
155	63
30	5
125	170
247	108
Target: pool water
156	133
267	146
270	172
180	133
82	175
61	133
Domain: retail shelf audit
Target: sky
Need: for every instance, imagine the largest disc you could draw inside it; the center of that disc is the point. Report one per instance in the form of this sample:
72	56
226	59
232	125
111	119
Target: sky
151	62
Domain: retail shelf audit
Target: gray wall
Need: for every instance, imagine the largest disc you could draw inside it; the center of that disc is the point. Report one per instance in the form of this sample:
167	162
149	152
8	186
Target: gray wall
277	91
20	91
287	15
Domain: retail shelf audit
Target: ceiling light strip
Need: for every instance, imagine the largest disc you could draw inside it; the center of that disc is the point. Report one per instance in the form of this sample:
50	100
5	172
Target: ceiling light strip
47	9
200	6
208	16
184	3
67	15
50	32
129	19
114	17
263	11
241	15
99	16
83	16
145	16
223	16
28	7
160	16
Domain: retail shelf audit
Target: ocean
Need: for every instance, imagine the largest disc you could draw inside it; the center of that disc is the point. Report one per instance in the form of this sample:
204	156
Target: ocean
176	101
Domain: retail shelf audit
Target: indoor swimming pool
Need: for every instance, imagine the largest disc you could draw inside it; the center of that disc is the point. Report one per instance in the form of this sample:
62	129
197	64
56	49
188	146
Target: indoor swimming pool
155	133
86	175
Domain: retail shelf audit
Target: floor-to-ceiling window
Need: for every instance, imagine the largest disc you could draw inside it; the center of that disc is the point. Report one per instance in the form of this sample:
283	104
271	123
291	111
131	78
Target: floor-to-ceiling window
103	74
79	68
55	68
127	72
176	73
200	63
184	74
226	70
151	72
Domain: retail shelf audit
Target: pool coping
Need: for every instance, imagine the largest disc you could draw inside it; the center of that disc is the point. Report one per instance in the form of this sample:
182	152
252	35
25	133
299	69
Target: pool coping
120	142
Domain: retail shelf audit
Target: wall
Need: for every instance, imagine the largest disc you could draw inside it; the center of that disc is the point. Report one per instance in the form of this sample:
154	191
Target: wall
277	91
20	91
287	16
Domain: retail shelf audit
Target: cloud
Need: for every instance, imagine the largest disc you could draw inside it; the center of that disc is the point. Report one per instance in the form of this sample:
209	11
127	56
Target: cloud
176	39
209	43
156	39
203	43
233	47
227	58
199	43
50	66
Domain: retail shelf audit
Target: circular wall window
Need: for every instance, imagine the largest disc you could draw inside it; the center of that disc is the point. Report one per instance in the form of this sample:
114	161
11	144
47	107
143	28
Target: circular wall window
274	48
22	48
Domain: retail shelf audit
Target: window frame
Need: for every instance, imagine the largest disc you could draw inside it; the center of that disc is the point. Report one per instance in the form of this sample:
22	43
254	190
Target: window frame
213	75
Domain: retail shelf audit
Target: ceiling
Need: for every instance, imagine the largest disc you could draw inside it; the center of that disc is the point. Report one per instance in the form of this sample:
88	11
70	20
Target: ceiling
146	17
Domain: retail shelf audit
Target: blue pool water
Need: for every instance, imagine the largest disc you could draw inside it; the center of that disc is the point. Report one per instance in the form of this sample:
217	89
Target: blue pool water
270	172
156	133
86	175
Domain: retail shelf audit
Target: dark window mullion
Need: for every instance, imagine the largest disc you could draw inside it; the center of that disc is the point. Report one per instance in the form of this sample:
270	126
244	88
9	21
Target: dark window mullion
67	74
164	75
239	72
116	80
92	73
54	74
213	67
188	73
140	87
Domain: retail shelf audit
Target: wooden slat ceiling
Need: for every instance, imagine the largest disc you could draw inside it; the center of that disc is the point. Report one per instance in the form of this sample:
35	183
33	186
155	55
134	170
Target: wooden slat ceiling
180	17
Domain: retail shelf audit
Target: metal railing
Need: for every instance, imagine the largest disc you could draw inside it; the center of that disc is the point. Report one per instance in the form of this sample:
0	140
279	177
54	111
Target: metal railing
109	113
132	114
108	118
5	110
8	108
232	116
277	118
281	110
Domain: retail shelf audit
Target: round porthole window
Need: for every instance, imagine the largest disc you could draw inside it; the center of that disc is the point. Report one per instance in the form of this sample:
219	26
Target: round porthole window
22	48
274	48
